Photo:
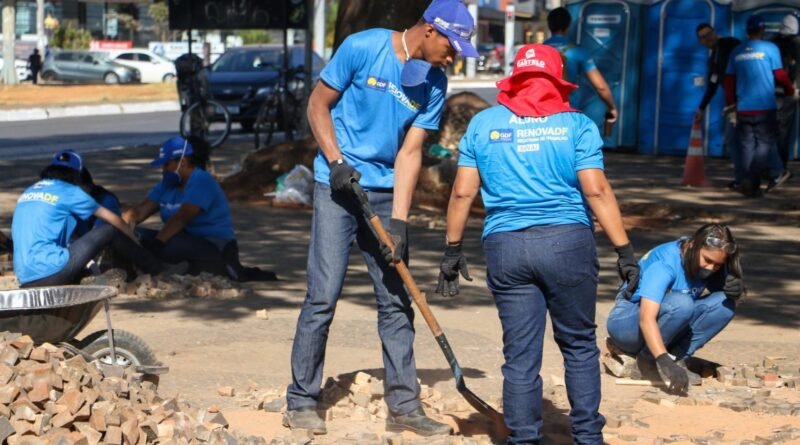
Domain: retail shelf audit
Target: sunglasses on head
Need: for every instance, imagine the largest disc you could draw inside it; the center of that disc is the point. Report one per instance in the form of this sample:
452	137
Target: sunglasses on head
717	243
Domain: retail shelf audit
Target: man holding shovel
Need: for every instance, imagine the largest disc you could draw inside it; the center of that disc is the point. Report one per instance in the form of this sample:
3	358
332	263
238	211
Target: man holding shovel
538	164
379	95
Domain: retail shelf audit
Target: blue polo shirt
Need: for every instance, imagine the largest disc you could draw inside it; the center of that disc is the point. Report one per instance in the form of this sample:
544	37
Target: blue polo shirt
662	272
203	191
43	223
529	167
753	63
374	111
579	62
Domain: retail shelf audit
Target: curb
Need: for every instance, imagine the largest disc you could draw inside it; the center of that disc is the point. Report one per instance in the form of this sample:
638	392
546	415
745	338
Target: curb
30	114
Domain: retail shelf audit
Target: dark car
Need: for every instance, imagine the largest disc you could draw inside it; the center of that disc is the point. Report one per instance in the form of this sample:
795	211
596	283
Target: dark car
243	77
87	66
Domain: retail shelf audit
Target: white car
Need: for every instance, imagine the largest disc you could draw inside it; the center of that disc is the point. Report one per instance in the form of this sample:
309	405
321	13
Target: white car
23	73
154	68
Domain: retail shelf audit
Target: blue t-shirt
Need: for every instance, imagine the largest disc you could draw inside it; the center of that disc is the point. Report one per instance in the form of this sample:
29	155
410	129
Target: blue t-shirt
662	272
374	111
579	61
43	223
753	63
203	191
528	167
105	199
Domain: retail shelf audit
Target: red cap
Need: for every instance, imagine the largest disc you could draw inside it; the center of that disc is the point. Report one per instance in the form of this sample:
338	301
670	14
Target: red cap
540	59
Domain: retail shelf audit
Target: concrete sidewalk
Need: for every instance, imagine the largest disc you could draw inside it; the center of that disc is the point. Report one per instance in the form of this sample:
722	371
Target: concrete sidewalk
39	113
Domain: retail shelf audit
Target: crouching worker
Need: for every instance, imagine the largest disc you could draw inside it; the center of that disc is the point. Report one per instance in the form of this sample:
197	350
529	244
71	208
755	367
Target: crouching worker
197	219
538	164
670	316
44	220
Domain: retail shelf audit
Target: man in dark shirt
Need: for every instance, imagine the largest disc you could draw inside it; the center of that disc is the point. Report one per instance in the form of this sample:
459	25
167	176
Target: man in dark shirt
35	65
721	48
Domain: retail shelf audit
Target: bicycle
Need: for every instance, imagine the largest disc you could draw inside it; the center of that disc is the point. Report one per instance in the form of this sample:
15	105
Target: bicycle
202	117
282	109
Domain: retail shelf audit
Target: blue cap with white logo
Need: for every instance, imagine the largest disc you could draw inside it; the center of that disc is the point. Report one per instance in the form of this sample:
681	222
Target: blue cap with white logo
755	23
452	19
69	159
174	148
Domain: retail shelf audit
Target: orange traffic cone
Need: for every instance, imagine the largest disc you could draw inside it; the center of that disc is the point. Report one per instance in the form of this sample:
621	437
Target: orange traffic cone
694	172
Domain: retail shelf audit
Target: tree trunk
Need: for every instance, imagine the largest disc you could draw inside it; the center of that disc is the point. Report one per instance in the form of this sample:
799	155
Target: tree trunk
358	15
9	16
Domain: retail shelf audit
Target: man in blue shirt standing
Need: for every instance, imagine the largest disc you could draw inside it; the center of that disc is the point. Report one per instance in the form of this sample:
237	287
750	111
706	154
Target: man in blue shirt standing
753	69
538	165
578	61
379	95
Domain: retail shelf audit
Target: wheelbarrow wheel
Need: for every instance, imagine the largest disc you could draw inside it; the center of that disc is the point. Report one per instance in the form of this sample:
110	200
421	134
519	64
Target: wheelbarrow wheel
131	350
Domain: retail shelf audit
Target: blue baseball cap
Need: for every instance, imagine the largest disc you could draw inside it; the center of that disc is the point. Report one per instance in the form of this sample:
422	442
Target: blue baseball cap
452	19
69	159
755	23
173	148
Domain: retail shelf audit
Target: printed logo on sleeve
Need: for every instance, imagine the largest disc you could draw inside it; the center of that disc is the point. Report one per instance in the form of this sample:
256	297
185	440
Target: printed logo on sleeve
501	135
377	83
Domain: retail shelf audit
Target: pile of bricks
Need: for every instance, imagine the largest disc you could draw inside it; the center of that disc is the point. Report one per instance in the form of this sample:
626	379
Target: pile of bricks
46	396
204	285
773	372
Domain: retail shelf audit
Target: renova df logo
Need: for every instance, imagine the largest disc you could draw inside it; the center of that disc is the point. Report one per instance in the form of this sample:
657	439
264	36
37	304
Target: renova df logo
501	135
376	83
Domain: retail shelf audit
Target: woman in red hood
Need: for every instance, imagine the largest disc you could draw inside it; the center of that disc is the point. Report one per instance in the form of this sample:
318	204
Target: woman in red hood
539	167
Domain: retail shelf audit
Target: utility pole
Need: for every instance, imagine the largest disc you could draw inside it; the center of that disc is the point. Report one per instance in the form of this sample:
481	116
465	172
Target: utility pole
509	43
319	27
41	39
9	36
471	61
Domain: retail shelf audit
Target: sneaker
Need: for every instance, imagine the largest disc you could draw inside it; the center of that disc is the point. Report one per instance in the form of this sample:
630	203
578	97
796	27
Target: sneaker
694	378
746	188
779	181
734	185
417	422
305	419
618	363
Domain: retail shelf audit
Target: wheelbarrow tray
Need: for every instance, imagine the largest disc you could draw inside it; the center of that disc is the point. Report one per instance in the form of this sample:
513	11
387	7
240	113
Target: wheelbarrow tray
51	314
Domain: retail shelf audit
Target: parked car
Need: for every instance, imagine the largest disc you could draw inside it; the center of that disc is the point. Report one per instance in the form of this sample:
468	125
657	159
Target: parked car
23	73
243	77
154	68
87	66
490	57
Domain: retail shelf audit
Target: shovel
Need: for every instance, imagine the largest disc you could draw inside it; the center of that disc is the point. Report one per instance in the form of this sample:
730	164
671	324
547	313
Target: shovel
419	298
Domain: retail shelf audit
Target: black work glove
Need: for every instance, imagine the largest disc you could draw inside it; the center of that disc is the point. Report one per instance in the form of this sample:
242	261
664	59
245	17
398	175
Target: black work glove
154	246
734	287
341	176
628	268
453	263
398	231
672	373
8	245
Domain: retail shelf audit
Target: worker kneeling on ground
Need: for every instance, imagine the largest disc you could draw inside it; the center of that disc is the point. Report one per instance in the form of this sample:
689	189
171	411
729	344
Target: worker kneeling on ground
537	163
198	227
43	225
670	316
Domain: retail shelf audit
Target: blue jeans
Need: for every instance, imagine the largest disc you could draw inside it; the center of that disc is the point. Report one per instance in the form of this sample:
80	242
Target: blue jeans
757	142
337	222
776	166
531	272
686	325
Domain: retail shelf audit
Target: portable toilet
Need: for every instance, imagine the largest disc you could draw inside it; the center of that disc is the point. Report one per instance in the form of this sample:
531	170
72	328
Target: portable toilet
773	13
674	71
610	30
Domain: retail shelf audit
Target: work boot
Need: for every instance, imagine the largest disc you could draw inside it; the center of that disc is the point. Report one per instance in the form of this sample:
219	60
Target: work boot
305	419
694	378
417	422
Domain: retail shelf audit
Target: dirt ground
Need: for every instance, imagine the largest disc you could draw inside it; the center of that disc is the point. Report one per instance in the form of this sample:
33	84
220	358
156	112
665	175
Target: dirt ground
54	95
210	343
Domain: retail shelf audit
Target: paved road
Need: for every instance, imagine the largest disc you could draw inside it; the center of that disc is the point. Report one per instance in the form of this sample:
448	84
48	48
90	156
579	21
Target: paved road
39	139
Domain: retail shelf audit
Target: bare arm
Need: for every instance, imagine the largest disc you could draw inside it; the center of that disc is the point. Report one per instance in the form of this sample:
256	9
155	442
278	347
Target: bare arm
647	323
600	85
601	199
114	220
406	171
178	221
319	118
140	212
465	189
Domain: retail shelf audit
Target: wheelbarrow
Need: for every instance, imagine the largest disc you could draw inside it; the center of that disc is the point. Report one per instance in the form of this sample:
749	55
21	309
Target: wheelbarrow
57	314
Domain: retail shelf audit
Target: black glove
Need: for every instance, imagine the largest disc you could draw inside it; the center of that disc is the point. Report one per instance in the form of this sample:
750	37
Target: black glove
734	287
8	245
453	263
341	175
154	246
398	231
628	268
672	373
